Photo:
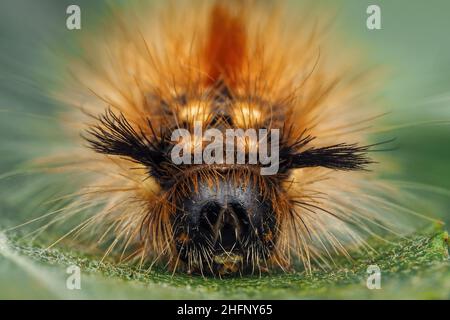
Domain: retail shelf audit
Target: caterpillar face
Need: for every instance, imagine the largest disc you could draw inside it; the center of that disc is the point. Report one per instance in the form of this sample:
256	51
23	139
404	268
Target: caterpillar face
172	86
227	220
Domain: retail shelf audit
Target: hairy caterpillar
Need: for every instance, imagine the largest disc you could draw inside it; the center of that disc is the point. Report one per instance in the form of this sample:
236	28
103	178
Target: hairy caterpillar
224	65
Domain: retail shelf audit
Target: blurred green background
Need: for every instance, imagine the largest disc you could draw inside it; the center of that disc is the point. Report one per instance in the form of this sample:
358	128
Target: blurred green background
413	44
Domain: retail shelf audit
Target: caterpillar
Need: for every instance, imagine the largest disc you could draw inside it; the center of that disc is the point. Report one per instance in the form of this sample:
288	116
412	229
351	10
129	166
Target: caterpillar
222	65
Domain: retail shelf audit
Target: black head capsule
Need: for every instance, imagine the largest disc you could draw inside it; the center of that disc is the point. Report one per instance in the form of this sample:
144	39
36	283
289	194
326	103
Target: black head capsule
224	227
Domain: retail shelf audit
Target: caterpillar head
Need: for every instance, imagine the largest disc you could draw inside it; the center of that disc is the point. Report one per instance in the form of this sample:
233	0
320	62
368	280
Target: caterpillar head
228	218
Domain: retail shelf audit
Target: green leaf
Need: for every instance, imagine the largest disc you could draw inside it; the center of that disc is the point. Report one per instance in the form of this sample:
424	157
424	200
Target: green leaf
414	268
